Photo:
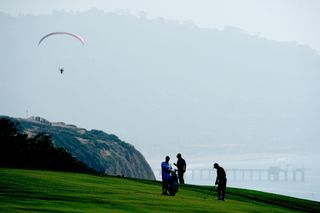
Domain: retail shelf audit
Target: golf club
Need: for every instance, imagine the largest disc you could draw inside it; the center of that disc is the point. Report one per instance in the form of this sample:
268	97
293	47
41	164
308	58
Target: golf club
210	192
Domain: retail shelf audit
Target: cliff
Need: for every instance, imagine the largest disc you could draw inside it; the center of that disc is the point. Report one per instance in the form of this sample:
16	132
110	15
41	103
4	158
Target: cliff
99	150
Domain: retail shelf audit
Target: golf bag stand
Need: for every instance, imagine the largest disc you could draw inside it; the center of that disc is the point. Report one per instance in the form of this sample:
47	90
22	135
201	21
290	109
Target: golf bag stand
173	184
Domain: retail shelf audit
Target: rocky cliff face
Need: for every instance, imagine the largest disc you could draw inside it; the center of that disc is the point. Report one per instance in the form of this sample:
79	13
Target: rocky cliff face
99	150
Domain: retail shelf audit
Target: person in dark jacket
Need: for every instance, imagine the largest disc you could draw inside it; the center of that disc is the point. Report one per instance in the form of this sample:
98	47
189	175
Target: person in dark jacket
181	165
221	181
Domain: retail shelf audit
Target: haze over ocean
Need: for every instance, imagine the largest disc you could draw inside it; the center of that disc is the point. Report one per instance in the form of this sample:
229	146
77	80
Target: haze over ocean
233	83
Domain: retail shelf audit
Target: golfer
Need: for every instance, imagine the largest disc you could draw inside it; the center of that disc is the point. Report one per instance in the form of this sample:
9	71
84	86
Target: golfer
221	181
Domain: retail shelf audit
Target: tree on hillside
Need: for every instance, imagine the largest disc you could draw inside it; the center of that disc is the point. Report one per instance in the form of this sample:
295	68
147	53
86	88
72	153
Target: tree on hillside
7	129
17	150
13	145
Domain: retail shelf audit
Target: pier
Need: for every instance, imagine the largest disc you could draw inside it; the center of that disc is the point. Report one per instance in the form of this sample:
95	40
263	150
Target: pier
271	174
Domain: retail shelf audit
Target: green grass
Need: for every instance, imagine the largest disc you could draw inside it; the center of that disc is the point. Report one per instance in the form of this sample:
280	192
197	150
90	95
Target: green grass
47	191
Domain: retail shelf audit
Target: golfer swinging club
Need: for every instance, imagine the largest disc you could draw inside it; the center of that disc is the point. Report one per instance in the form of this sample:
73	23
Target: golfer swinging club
221	181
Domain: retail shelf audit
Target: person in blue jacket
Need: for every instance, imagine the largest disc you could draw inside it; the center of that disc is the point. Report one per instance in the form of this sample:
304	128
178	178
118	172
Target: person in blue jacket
165	169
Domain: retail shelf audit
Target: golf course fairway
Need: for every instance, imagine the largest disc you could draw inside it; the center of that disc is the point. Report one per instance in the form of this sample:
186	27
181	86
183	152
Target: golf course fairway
48	191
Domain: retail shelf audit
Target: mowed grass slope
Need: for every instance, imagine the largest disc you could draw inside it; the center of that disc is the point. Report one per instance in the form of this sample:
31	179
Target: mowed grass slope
47	191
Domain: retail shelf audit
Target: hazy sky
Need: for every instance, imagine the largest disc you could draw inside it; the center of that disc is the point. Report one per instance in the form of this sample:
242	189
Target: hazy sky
282	20
246	101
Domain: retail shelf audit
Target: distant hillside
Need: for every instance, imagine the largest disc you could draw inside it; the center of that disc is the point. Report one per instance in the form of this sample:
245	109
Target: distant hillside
99	150
162	83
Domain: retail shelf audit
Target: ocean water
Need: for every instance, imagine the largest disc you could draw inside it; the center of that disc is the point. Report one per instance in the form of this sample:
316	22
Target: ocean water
305	188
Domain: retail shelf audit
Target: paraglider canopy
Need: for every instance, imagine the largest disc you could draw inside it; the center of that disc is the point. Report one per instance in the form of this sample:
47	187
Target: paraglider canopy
62	33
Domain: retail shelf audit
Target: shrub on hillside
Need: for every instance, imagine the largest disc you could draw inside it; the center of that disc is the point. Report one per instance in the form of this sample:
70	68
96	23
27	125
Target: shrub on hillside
17	150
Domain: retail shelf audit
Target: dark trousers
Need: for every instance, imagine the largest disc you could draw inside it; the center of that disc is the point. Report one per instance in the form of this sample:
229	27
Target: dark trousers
180	176
165	184
222	185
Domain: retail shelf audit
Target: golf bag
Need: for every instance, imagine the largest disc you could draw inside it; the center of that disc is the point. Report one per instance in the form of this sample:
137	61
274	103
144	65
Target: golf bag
173	183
